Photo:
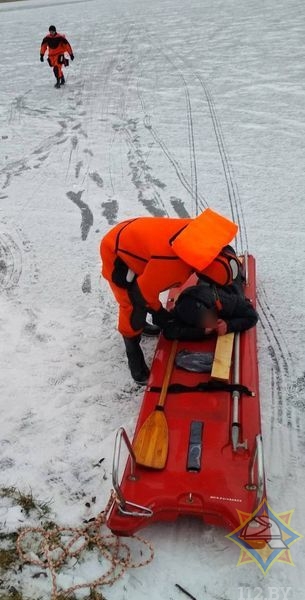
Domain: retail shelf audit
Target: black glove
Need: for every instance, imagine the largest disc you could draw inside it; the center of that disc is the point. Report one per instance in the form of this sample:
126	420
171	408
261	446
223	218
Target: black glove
72	56
41	58
161	317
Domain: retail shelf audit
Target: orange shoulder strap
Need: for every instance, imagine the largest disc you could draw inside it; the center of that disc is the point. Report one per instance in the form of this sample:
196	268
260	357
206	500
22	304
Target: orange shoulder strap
200	242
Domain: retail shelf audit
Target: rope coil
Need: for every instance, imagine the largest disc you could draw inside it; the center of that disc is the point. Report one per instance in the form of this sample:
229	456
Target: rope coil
55	548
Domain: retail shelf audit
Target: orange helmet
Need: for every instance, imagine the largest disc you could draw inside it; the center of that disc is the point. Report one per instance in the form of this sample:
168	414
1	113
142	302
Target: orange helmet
223	269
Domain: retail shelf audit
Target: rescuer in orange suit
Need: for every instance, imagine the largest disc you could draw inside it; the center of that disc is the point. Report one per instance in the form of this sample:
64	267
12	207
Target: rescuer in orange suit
145	256
57	45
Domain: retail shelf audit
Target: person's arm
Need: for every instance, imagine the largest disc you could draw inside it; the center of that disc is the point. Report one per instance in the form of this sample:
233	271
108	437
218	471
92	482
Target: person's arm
69	50
144	294
43	48
158	276
175	331
244	317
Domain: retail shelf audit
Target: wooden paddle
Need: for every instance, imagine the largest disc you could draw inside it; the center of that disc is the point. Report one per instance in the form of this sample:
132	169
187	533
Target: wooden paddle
151	443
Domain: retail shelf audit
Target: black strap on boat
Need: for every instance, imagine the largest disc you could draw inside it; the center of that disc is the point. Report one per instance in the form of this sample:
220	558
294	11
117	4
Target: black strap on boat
204	386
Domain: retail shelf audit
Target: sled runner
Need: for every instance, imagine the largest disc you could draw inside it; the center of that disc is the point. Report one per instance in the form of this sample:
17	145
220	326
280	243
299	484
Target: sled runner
197	447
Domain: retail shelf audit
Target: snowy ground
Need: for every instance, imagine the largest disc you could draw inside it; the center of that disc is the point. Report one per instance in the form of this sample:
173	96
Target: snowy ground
169	106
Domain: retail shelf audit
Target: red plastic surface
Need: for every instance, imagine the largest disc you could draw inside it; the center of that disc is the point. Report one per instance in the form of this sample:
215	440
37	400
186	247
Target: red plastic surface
219	488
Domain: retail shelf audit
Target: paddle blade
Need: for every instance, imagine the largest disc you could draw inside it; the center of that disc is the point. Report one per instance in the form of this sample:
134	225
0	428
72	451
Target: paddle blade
151	443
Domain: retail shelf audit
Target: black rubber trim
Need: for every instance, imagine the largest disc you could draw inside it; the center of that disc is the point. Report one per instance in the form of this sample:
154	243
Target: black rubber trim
172	239
119	233
160	257
133	255
204	386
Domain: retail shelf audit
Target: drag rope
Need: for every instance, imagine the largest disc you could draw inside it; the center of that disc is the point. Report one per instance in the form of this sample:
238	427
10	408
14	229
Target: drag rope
56	546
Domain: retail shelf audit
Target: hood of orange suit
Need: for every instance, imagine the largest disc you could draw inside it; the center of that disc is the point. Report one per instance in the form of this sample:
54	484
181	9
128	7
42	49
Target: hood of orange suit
202	240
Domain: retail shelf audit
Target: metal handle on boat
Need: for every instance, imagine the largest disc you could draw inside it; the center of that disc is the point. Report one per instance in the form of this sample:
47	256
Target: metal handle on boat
123	504
235	427
246	262
257	458
121	434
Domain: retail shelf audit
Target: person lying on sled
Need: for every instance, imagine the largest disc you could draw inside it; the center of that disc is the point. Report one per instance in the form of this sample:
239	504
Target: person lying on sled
144	256
207	308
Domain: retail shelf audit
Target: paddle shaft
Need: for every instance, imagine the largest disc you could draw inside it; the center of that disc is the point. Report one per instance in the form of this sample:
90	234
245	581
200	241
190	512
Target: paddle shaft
167	376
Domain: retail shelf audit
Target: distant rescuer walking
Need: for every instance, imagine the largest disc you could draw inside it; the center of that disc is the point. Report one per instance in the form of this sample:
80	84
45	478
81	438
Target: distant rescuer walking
57	45
145	256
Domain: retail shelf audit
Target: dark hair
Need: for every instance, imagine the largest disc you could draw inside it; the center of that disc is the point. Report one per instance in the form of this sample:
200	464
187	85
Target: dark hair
191	310
52	28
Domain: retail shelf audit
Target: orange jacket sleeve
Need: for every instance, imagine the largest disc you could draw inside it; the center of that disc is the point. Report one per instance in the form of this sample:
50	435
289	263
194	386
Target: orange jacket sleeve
68	48
44	46
158	276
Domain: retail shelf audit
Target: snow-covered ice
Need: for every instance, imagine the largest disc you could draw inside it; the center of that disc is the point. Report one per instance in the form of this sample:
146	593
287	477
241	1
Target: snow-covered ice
169	106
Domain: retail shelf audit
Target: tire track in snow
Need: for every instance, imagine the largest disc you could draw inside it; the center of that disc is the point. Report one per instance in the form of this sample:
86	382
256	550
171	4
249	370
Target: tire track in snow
141	177
191	135
277	376
296	399
232	188
192	188
282	341
288	410
119	73
148	187
173	161
107	96
265	310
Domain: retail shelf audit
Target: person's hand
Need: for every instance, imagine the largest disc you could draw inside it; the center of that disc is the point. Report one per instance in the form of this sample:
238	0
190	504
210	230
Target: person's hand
72	56
161	317
221	327
41	58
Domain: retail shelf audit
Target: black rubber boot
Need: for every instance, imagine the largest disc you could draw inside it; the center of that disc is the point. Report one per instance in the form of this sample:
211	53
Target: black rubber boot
62	80
151	330
136	361
55	71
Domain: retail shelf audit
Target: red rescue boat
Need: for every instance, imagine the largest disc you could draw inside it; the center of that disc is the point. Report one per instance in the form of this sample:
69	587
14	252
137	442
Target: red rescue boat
215	467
